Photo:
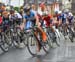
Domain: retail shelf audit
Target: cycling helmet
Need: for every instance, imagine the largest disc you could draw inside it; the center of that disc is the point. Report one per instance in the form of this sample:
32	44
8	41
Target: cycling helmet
59	12
12	11
70	14
42	5
27	8
56	12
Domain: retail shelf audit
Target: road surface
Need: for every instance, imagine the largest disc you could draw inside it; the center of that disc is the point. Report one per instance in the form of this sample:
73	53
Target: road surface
64	53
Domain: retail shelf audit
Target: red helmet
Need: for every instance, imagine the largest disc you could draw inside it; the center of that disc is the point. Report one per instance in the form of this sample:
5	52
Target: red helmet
42	5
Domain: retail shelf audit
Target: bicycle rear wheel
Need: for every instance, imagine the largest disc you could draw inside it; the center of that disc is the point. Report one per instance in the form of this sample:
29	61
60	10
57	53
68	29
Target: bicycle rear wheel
46	46
49	39
71	36
57	39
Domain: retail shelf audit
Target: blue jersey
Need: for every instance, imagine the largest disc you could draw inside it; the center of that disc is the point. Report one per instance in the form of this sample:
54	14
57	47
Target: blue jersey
27	17
59	17
29	20
63	16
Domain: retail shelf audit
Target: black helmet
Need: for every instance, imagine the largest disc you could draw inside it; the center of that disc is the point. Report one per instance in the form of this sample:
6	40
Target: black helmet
27	8
12	11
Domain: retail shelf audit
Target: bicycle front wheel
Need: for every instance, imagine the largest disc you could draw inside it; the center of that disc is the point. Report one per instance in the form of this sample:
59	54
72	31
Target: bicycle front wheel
31	48
3	45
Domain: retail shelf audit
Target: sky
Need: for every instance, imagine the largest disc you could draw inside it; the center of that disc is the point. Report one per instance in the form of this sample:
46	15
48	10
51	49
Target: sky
14	2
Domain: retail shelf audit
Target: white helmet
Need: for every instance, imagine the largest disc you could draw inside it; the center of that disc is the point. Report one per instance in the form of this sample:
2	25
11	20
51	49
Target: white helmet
70	14
60	12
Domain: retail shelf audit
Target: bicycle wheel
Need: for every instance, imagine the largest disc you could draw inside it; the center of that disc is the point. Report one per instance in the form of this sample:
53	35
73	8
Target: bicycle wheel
4	46
57	41
31	48
57	37
8	38
16	40
46	46
49	39
16	37
71	36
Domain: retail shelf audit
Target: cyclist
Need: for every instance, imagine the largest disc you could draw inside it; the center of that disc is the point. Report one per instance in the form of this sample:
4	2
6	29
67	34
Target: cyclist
58	15
70	17
15	21
15	18
41	9
30	20
64	17
64	22
5	19
12	17
41	12
49	22
47	18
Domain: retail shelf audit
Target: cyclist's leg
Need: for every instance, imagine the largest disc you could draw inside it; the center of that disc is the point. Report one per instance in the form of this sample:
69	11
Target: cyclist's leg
44	36
38	42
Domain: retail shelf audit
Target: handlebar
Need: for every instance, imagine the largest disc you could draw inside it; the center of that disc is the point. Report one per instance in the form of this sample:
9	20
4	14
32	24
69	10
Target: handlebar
32	28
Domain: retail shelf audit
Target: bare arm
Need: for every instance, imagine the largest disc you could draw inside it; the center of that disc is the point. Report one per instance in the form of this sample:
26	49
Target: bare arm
23	24
37	20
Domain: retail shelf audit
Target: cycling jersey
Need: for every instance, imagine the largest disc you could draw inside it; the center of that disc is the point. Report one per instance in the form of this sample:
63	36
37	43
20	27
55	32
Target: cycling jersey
16	18
5	23
30	20
58	17
48	20
70	19
35	12
64	16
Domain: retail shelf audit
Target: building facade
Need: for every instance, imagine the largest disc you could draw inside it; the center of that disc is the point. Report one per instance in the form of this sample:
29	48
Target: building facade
16	3
73	6
66	4
52	5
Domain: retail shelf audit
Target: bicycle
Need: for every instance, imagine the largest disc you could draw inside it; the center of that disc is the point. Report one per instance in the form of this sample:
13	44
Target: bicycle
31	33
13	37
3	44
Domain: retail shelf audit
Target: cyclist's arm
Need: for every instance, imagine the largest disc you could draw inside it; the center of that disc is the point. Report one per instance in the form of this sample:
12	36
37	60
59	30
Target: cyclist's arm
23	24
24	21
37	20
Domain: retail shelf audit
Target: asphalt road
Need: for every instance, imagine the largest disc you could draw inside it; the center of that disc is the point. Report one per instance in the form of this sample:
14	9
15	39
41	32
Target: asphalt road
64	53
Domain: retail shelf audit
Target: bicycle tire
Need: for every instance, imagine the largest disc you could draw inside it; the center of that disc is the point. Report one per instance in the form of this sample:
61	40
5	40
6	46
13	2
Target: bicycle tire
30	48
4	46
